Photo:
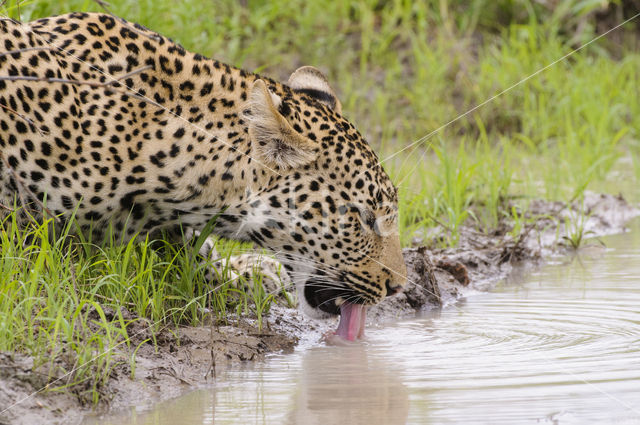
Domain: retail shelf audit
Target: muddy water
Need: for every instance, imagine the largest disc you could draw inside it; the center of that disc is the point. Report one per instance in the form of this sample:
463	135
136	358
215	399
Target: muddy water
557	345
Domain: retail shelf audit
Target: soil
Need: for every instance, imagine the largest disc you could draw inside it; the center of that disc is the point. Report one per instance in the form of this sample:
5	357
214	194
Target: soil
437	277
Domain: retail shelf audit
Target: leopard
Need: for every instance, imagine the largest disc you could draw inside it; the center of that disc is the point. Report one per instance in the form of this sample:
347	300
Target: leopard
117	126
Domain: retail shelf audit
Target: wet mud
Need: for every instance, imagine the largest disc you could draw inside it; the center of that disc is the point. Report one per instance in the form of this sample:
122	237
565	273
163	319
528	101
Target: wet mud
177	362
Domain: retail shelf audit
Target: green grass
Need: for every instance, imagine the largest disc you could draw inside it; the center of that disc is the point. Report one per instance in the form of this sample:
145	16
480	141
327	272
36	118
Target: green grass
66	299
402	69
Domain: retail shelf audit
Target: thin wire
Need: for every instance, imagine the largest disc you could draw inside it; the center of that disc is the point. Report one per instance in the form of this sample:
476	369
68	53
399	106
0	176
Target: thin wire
427	136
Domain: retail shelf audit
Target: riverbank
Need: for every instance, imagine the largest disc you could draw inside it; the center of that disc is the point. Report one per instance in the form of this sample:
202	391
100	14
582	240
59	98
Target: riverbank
147	372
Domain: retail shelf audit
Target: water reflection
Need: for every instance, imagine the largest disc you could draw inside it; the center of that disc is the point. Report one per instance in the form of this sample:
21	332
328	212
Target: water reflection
196	407
323	385
345	385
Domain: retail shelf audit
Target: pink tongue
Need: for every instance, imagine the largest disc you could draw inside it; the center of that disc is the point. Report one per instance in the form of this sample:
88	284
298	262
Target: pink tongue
352	318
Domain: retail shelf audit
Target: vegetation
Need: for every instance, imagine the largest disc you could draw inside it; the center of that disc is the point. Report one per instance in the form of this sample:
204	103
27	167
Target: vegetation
403	70
66	299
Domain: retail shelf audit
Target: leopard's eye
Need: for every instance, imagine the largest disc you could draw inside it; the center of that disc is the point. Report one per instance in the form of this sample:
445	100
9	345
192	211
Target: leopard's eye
370	219
366	216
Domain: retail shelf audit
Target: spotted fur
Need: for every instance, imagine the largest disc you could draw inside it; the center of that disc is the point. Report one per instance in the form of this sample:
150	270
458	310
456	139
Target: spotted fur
126	127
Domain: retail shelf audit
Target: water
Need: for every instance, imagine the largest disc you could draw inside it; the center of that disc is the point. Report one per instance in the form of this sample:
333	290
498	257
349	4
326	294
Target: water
556	345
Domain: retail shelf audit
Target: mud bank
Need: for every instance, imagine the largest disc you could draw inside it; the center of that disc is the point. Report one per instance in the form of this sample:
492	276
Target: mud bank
437	277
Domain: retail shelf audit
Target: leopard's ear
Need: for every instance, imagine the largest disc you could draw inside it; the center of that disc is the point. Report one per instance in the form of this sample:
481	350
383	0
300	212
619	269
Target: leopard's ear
275	142
312	82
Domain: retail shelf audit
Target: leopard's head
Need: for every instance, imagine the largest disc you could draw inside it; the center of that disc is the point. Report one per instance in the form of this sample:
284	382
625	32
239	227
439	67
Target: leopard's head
320	198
